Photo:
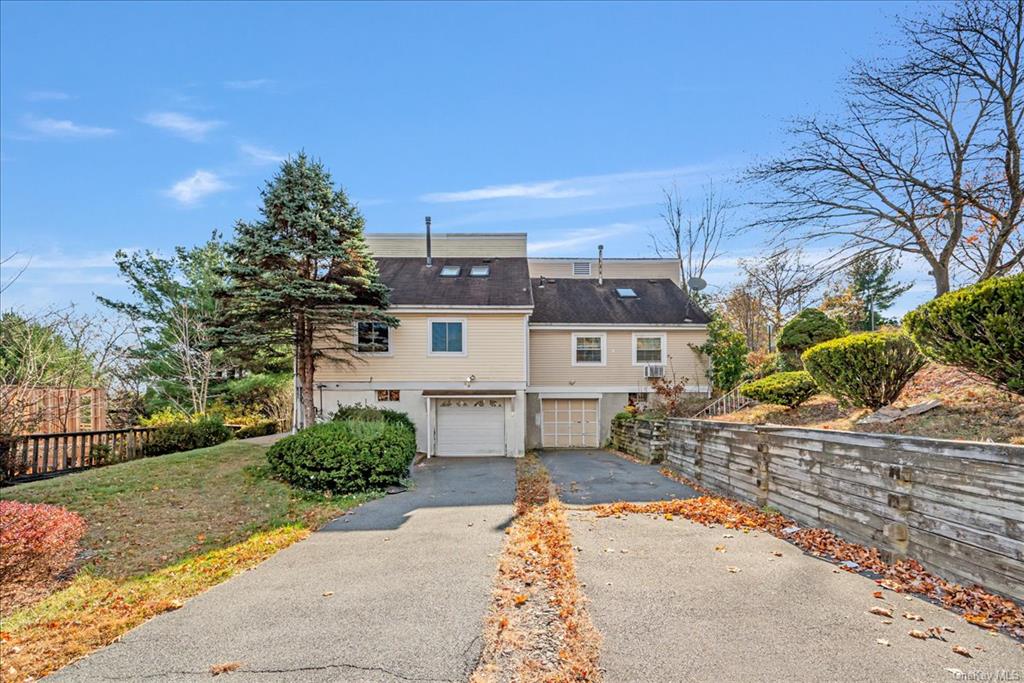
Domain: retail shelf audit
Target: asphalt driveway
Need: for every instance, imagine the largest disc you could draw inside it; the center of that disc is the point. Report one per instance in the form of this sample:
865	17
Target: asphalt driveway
670	609
409	576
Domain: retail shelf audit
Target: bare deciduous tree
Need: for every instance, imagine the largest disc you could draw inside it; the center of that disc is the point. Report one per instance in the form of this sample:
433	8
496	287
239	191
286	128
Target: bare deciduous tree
694	240
926	158
743	307
782	281
192	357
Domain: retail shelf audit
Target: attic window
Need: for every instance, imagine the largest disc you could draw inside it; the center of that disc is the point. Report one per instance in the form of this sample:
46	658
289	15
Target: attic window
581	269
479	271
625	293
450	271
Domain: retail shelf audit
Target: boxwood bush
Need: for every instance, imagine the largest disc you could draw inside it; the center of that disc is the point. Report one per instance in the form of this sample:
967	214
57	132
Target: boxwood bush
261	427
782	388
185	435
867	369
980	328
366	413
345	456
809	327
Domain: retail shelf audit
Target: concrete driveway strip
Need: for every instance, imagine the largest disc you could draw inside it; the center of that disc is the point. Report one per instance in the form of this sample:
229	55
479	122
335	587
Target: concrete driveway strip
669	608
411	576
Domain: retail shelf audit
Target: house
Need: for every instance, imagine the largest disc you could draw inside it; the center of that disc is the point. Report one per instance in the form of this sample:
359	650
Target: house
498	353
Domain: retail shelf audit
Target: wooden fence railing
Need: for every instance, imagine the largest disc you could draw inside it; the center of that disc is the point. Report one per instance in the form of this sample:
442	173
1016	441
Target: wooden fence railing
35	456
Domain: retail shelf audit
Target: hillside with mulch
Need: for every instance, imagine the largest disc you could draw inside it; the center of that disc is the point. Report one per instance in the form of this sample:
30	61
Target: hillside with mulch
971	409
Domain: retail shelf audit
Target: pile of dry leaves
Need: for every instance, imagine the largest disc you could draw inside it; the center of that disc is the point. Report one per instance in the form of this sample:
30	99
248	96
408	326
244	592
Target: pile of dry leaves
538	628
904	576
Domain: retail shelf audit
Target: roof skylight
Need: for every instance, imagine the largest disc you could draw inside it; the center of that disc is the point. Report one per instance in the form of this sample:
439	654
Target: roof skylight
450	271
479	271
625	293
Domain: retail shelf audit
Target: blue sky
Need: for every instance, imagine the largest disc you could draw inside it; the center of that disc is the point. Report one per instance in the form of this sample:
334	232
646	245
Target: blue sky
150	125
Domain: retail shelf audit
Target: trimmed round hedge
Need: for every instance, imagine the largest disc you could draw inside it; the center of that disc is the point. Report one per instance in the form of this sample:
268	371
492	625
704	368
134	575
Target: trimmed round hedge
345	456
175	437
783	388
867	369
809	327
980	328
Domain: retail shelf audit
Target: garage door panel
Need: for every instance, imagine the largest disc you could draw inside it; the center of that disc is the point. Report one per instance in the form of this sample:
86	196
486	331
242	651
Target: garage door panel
569	423
471	427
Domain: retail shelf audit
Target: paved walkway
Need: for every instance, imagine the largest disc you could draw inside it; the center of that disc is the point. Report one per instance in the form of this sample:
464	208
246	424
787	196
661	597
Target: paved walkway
670	610
411	576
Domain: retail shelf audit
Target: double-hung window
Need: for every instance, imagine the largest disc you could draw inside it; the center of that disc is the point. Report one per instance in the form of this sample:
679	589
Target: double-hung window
648	349
588	348
447	337
373	337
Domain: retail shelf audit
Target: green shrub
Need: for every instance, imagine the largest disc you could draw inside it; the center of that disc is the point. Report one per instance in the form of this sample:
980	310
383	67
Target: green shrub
809	327
365	413
782	388
761	364
980	328
727	350
261	427
164	417
624	416
345	456
186	436
867	369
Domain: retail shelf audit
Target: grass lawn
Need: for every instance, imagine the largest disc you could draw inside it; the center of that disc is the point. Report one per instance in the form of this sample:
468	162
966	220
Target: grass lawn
160	530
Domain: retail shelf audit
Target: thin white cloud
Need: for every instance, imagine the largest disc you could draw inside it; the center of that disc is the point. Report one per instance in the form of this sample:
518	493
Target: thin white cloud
63	128
182	125
251	84
47	96
549	190
189	191
583	236
260	155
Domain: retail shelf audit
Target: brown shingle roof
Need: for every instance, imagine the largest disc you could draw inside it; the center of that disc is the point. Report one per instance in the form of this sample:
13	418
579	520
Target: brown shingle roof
570	301
412	283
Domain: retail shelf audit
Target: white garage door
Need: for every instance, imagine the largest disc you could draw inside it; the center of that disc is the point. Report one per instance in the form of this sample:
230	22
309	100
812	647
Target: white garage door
471	426
569	422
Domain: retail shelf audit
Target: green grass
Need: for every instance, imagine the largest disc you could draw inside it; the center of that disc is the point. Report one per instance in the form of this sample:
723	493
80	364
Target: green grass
146	514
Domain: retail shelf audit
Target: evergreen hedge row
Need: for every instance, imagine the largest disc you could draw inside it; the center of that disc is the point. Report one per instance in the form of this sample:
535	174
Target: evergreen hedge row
783	388
980	328
866	370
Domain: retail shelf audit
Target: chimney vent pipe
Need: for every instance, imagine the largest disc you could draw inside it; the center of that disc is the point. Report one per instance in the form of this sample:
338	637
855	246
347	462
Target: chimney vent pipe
429	260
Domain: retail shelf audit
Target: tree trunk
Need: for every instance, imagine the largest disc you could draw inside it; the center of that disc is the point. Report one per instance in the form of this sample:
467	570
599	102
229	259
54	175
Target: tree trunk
941	275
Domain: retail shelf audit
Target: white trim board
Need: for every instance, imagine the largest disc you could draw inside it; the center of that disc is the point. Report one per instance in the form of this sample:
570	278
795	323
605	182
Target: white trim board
605	326
607	389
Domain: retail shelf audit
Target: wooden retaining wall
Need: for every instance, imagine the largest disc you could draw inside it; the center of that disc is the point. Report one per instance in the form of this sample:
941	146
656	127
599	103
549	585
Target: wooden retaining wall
643	439
957	507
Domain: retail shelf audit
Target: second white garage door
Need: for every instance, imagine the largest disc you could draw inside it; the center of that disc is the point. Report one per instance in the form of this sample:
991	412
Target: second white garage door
569	422
471	427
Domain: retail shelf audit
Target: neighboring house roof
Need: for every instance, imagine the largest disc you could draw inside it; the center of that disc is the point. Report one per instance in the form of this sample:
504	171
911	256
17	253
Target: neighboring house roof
571	301
412	283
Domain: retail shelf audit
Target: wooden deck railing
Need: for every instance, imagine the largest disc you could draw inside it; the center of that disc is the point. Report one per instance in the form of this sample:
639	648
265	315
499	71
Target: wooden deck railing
35	456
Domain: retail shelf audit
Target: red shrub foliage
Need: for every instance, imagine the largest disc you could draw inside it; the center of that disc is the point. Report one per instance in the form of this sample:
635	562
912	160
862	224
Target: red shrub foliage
39	542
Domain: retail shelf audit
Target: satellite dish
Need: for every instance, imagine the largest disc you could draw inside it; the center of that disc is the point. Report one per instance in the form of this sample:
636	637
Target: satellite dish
696	283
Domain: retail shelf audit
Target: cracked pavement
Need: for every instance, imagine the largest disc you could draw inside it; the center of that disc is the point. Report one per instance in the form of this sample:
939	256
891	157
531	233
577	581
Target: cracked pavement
411	576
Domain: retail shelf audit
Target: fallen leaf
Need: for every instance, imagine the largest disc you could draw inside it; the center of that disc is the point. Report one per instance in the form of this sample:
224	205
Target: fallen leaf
226	667
776	553
883	641
726	535
881	611
962	651
921	635
328	594
733	570
720	548
878	594
913	617
668	516
886	621
520	599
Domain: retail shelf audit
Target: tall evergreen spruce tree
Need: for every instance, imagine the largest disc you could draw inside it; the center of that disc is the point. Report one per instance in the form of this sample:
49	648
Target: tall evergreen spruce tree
302	274
871	281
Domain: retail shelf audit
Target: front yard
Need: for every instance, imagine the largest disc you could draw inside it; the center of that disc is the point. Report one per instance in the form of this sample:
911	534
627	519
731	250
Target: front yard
159	531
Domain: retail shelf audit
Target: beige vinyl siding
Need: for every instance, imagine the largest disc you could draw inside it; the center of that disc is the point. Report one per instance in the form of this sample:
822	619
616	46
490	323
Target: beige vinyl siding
551	355
658	269
497	245
494	352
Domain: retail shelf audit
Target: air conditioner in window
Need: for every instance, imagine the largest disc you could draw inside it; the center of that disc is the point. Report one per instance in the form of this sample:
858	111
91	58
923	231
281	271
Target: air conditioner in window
653	371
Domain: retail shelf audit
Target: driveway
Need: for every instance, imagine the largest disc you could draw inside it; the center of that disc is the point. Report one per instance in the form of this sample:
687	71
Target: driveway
669	609
410	577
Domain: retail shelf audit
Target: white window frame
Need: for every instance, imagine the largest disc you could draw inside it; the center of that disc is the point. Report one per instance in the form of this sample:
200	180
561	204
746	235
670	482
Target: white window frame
589	364
430	337
355	334
645	335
